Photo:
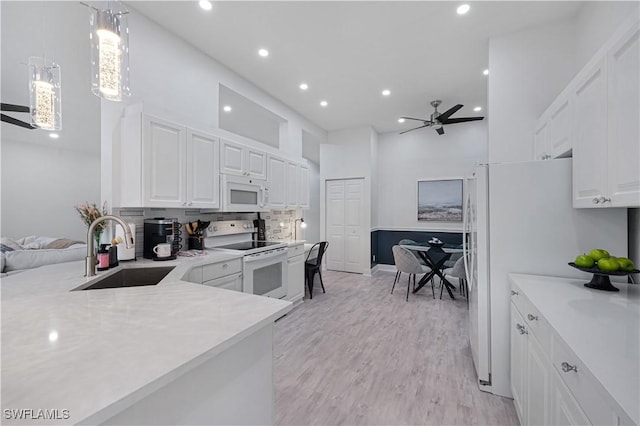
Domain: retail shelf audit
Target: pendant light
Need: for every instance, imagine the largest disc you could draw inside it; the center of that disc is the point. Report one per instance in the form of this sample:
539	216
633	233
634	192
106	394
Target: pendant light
110	51
44	94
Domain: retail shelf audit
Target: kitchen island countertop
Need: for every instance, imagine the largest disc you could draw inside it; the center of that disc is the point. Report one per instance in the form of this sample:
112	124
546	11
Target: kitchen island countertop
97	352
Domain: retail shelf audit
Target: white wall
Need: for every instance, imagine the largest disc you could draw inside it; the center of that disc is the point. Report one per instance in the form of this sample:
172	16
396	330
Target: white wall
419	155
375	141
528	69
347	154
43	178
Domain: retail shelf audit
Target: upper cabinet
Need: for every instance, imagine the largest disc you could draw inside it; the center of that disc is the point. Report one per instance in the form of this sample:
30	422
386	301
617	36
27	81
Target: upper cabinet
596	119
288	184
606	155
157	163
240	160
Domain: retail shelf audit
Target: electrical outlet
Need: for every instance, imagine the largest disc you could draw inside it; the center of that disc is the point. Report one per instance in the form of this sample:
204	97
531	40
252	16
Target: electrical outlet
374	257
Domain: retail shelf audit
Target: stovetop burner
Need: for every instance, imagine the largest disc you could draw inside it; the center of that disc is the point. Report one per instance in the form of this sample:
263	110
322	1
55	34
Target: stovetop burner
249	245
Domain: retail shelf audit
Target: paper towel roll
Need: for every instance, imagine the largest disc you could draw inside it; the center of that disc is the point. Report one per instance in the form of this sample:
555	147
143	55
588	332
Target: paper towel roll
125	253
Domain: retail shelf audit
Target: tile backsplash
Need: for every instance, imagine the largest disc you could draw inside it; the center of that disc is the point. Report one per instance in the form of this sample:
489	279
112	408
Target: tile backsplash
273	219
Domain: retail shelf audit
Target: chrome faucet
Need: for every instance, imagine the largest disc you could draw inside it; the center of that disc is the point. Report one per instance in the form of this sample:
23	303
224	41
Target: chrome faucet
90	261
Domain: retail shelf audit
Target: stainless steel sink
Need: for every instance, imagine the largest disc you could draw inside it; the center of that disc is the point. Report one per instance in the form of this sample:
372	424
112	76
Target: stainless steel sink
129	277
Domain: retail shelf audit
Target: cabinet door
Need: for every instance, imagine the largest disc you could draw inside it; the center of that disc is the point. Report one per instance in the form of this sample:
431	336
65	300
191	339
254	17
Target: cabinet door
231	158
277	182
590	131
537	383
295	286
164	163
292	185
540	142
565	410
303	186
518	361
559	137
255	163
624	131
203	179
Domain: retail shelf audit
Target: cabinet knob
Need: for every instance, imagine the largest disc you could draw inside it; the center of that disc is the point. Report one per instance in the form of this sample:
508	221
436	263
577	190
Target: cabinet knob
225	265
596	200
606	200
521	329
184	204
514	293
532	317
566	367
189	204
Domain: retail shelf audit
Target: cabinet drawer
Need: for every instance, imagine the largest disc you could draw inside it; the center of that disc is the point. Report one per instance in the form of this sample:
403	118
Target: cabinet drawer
230	282
220	269
582	384
295	250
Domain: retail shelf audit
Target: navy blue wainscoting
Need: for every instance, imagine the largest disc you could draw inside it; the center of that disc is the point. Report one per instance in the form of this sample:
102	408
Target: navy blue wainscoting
382	241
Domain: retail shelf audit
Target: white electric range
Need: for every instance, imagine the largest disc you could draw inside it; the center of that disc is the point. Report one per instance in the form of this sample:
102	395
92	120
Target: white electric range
264	262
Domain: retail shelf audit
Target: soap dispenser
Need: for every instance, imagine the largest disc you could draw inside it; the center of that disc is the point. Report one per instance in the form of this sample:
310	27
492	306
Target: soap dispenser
103	258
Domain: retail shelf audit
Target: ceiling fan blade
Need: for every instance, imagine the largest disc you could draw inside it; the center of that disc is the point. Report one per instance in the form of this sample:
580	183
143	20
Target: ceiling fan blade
415	128
440	130
14	108
448	113
417	119
461	120
15	121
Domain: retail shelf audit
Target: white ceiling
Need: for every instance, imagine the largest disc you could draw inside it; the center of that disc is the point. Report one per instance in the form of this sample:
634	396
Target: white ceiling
348	52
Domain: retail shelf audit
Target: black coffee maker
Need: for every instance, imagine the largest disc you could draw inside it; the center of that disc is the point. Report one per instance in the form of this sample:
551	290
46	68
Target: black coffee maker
156	231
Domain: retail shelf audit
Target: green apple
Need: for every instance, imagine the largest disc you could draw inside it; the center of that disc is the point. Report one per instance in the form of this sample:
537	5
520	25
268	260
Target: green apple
584	261
608	264
625	264
598	254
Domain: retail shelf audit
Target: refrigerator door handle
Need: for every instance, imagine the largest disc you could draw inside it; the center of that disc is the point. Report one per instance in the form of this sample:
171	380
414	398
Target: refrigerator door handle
465	236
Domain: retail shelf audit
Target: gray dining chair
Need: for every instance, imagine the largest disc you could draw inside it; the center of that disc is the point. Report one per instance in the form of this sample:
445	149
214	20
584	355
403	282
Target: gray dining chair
406	262
408	242
457	272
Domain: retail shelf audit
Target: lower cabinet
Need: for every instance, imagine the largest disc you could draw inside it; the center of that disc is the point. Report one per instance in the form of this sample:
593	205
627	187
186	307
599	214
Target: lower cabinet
230	282
227	275
295	264
564	407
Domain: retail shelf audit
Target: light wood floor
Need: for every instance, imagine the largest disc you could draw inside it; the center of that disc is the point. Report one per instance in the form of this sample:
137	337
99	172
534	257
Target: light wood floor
358	355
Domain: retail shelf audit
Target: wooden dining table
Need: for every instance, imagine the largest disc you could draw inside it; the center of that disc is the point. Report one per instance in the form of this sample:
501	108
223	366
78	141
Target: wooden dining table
434	256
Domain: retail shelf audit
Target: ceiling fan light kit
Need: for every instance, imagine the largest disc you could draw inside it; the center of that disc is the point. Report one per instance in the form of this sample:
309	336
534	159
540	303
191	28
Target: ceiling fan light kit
438	120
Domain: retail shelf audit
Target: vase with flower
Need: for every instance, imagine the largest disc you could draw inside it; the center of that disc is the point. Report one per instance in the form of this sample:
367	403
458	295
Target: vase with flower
90	212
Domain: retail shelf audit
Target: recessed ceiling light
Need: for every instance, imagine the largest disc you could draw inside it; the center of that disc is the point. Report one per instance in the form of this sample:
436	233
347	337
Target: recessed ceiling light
477	109
54	135
386	92
263	52
486	72
462	9
227	108
205	4
304	86
400	120
324	103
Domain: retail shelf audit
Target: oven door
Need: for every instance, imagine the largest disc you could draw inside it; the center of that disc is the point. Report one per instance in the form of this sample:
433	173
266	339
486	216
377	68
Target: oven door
265	273
241	194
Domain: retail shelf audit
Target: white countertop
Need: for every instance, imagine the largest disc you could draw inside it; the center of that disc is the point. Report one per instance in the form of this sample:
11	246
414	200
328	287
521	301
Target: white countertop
97	352
602	328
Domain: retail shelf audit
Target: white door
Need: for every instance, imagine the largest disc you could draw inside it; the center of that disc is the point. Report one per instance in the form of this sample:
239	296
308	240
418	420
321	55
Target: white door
231	158
203	179
292	185
164	159
590	135
623	72
345	204
277	182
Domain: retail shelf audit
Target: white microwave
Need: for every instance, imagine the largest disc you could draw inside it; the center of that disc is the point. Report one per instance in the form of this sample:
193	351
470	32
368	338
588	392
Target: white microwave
244	194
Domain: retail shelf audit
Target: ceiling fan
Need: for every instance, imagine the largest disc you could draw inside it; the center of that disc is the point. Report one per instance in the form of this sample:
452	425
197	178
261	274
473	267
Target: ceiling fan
438	120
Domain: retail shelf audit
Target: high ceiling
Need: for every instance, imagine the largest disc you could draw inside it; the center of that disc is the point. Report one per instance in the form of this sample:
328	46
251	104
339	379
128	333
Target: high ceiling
348	52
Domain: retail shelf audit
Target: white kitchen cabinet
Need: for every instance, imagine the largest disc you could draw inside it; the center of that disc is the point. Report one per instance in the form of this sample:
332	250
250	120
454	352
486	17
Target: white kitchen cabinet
605	120
240	160
292	185
303	187
537	382
565	410
277	182
553	134
226	274
295	265
164	163
518	361
540	151
203	179
157	163
229	282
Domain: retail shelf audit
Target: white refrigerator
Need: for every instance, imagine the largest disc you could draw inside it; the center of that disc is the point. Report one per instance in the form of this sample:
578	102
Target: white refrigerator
519	218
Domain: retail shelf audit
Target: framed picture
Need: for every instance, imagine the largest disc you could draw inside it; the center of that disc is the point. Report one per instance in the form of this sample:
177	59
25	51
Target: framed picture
440	200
